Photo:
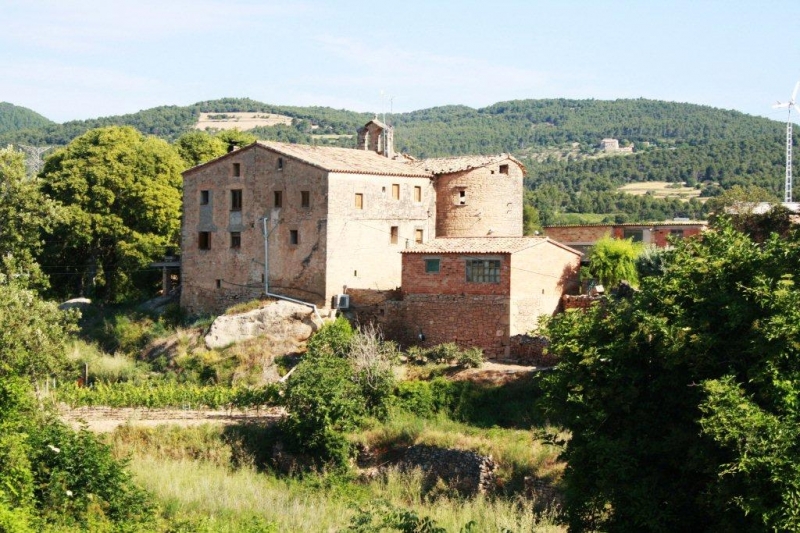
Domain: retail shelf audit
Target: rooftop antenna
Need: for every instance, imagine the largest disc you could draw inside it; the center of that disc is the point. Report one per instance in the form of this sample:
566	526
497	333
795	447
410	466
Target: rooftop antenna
787	197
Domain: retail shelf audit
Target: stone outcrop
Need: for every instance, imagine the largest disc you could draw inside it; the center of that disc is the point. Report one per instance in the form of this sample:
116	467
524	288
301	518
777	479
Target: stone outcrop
280	319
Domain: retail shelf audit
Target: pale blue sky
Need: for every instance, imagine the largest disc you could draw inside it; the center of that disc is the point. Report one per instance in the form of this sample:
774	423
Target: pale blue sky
71	59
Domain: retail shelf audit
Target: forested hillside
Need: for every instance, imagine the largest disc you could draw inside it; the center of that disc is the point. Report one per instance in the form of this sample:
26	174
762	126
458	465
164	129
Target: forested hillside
557	139
13	118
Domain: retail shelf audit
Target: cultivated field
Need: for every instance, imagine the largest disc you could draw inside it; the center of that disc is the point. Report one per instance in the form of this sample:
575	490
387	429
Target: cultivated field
240	121
661	189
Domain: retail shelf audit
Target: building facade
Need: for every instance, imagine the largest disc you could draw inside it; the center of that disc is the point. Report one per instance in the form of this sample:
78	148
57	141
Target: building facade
336	220
583	236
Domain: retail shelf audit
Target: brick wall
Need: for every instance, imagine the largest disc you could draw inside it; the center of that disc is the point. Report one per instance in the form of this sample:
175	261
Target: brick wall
493	202
477	320
452	276
577	234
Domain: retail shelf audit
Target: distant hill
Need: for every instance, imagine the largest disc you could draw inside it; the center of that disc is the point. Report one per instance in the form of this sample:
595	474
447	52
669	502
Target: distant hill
557	139
13	118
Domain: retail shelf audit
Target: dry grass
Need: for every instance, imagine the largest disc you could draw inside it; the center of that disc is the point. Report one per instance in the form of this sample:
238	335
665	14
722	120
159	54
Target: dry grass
660	189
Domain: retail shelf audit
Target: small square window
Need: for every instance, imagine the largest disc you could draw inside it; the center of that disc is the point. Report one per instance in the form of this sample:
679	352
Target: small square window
359	200
417	194
503	169
431	266
305	198
393	235
418	236
204	240
636	235
236	200
278	197
204	197
236	239
280	163
395	191
294	237
237	170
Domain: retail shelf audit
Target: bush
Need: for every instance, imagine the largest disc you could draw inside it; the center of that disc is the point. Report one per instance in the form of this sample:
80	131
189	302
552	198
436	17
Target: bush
372	359
470	358
323	401
332	339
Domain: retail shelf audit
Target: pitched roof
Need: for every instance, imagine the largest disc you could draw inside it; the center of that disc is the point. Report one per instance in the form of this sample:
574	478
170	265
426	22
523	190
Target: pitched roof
447	165
632	224
477	245
348	160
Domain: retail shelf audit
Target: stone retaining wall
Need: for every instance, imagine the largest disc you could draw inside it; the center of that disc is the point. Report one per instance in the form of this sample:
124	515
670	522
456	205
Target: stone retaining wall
468	472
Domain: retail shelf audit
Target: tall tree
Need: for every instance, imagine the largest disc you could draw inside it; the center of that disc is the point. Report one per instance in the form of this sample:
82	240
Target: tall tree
120	196
682	401
197	147
24	213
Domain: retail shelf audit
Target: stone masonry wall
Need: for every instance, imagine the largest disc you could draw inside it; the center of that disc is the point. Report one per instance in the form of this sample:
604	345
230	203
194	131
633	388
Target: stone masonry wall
468	472
492	202
478	320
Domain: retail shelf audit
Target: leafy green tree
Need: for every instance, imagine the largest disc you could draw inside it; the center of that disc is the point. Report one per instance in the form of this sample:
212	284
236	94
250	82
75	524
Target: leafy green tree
120	194
198	147
236	137
24	213
744	198
614	260
682	401
33	334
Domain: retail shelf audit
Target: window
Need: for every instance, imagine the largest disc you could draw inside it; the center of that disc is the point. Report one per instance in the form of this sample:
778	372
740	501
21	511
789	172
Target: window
393	235
359	201
236	200
305	198
418	236
417	194
676	233
294	237
462	197
636	234
483	270
204	197
237	170
395	191
280	163
278	198
219	283
236	239
503	169
431	266
204	240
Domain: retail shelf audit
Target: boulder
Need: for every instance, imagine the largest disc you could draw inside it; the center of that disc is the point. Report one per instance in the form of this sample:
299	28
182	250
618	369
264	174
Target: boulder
279	319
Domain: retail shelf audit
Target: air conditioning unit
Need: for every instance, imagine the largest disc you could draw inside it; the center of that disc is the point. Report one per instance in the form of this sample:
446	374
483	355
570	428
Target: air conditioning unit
341	301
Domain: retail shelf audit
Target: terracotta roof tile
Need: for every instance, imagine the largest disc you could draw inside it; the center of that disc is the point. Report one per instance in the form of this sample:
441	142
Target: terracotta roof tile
476	245
447	165
349	160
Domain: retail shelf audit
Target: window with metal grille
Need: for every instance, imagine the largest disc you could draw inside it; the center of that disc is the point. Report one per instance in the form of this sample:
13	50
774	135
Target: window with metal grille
236	239
483	270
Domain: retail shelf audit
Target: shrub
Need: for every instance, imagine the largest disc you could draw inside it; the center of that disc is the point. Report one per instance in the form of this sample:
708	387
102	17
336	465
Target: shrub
372	359
443	353
332	339
470	358
323	401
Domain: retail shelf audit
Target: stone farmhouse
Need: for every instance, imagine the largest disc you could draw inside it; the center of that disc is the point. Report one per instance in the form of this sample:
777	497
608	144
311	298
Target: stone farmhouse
342	221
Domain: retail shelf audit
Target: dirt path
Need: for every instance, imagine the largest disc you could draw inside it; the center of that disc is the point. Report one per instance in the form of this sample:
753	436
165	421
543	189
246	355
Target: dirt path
107	419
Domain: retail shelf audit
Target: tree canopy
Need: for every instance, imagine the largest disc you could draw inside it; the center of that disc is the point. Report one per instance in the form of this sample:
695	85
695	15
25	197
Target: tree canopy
682	401
120	198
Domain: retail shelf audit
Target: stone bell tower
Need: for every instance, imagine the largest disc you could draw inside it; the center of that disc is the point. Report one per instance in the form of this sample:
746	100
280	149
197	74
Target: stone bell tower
377	137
